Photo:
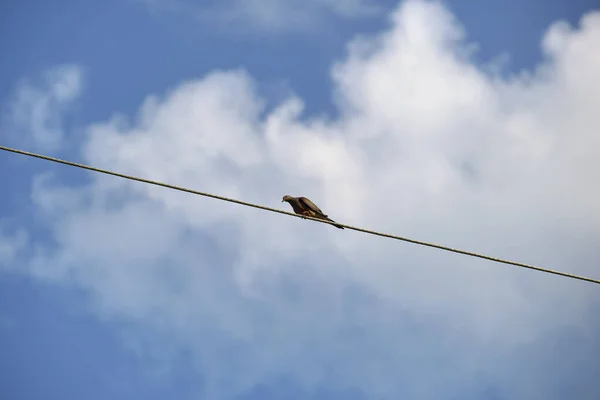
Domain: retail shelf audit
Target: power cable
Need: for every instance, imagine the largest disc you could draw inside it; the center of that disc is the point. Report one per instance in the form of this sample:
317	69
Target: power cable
244	203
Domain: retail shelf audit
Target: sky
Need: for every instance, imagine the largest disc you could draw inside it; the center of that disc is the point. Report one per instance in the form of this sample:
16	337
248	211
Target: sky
469	124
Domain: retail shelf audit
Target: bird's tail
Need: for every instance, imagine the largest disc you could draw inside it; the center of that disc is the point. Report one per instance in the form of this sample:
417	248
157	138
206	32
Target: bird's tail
334	223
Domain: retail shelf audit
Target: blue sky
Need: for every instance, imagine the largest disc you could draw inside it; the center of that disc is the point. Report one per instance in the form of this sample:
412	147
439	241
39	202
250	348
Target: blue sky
110	289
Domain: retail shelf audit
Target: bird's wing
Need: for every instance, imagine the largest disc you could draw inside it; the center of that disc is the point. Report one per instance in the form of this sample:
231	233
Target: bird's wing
311	206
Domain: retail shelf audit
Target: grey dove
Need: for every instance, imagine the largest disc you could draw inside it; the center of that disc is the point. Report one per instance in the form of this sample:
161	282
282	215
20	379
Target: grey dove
303	206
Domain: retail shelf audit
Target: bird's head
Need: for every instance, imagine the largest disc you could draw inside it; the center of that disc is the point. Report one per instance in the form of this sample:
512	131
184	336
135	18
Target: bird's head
286	198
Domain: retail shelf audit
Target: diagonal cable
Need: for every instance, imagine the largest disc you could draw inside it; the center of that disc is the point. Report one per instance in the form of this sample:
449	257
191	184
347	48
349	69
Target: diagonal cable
244	203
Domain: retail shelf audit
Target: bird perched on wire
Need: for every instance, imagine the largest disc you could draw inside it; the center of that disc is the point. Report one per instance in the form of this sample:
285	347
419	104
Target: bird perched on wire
304	206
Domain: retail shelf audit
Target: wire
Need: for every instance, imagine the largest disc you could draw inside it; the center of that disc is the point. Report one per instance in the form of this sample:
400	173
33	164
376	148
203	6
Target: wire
244	203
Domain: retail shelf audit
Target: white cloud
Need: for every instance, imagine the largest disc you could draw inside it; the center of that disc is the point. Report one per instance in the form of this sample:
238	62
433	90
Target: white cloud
268	15
427	146
35	111
12	242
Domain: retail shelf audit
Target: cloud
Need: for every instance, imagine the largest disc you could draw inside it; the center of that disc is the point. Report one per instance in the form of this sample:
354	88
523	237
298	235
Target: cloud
12	243
268	15
427	145
35	111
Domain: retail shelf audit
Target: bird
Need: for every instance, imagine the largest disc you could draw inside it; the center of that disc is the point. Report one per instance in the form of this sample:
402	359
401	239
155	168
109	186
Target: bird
304	206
